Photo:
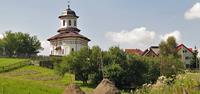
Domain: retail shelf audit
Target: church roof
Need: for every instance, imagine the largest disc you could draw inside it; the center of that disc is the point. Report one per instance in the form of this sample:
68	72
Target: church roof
68	13
69	29
68	35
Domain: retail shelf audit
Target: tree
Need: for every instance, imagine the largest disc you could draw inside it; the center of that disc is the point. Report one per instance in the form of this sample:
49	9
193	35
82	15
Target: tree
195	60
78	63
1	47
20	44
163	48
171	45
10	43
96	74
168	48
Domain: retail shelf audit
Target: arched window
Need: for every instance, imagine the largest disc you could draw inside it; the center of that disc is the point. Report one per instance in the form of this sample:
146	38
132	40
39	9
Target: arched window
70	22
75	23
63	22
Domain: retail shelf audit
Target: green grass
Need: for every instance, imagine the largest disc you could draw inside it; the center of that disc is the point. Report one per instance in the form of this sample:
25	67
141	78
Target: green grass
9	61
37	80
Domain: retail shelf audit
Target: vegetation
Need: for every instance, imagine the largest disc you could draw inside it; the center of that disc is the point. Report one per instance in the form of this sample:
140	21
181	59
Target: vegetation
90	66
126	71
187	83
195	61
36	80
168	48
19	45
10	61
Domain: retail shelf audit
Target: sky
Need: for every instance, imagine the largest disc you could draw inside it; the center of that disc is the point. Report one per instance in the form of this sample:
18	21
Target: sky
124	23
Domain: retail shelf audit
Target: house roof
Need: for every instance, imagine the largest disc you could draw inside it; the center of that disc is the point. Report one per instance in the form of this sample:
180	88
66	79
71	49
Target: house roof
181	46
134	51
68	35
155	49
147	51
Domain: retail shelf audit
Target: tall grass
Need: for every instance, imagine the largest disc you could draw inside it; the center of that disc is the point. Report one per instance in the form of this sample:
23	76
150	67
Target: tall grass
184	84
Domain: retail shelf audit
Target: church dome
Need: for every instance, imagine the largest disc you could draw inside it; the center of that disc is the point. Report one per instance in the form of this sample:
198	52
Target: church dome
68	13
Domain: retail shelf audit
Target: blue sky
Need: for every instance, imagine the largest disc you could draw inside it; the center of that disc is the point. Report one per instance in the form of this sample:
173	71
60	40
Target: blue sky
128	24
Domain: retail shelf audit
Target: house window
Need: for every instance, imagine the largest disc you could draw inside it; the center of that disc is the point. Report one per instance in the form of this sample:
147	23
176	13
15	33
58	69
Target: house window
70	22
63	22
75	23
62	51
72	49
187	58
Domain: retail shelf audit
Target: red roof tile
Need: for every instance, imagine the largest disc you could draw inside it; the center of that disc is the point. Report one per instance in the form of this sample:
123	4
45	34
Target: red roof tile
181	46
134	51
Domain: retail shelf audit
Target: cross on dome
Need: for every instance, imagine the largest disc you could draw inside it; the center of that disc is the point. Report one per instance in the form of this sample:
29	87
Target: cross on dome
68	2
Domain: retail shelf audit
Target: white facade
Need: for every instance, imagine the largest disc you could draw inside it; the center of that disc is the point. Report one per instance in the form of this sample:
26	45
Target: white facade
65	46
185	55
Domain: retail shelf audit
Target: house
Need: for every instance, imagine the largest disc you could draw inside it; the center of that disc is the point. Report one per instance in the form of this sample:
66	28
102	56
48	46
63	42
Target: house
184	52
68	38
134	51
153	51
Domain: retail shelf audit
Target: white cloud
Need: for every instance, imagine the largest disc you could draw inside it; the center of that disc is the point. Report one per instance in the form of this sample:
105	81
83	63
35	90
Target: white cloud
46	46
193	13
136	36
176	34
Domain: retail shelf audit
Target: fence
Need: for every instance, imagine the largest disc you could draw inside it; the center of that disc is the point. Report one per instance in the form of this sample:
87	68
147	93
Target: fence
14	66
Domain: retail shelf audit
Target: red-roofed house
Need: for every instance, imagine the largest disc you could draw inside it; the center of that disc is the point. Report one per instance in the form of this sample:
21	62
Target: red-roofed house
185	53
134	51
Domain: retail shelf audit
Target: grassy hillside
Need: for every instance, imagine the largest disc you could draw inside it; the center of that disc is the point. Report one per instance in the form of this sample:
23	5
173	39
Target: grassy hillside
35	80
6	61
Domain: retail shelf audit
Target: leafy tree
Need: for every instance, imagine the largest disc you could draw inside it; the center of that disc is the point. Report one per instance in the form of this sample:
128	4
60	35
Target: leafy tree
1	47
163	48
171	66
195	60
171	45
168	48
10	43
20	44
77	63
96	57
115	73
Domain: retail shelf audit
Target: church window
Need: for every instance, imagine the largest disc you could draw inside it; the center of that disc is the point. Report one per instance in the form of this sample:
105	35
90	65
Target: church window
63	22
70	22
75	23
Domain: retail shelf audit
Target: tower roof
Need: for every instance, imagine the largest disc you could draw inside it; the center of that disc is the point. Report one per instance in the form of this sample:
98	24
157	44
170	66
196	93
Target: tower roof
68	13
69	29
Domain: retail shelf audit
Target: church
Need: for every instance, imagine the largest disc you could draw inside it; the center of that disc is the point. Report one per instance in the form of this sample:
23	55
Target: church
68	38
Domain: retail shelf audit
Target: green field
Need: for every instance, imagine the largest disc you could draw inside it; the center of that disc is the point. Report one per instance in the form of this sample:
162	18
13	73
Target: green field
10	61
36	80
